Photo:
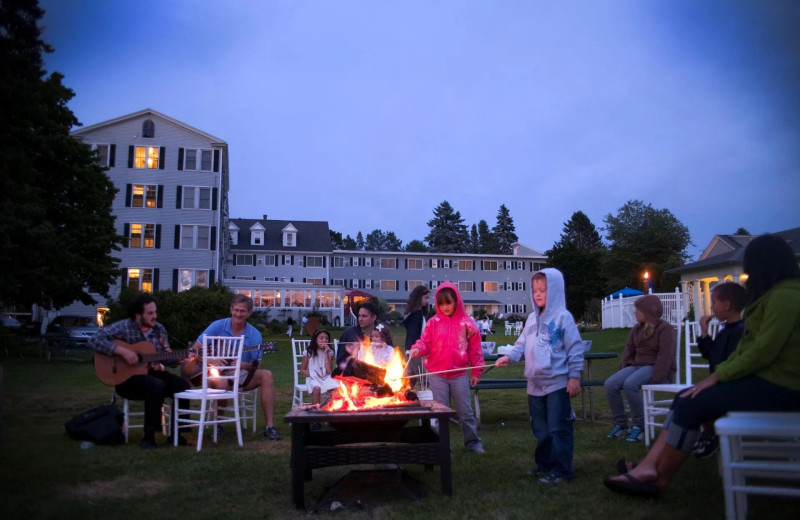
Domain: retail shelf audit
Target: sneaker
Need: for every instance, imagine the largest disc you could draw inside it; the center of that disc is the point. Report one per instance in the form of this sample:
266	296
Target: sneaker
618	432
706	448
636	435
477	449
552	480
272	433
536	473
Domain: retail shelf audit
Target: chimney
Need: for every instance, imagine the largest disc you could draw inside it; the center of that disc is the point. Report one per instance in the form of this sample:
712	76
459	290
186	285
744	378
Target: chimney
265	217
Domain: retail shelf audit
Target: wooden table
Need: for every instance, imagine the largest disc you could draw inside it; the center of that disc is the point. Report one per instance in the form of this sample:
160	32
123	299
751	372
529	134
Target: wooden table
379	436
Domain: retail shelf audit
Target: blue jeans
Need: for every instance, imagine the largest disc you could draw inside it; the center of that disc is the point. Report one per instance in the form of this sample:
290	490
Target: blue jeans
551	423
630	379
457	388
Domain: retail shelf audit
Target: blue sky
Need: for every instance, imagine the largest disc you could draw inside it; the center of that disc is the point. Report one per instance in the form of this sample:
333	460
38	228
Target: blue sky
369	114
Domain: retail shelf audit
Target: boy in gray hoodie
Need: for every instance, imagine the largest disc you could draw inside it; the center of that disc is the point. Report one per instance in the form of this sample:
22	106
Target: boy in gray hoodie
553	352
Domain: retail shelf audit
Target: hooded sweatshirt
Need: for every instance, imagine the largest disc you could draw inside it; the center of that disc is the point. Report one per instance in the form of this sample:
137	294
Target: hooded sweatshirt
651	343
550	342
450	342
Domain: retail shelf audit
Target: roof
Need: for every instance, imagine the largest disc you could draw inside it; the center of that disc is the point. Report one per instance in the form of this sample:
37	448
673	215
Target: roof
140	113
312	235
729	250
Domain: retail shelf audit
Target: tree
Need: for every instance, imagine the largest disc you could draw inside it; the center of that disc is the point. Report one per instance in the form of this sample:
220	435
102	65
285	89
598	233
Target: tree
488	241
741	231
57	229
336	240
644	239
474	240
348	244
448	233
504	232
579	256
377	240
359	242
416	246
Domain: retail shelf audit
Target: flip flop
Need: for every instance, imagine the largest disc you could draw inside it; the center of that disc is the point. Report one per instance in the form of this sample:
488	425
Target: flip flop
631	486
622	466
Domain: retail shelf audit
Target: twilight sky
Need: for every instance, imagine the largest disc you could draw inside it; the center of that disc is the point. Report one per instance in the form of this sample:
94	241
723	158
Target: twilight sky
369	114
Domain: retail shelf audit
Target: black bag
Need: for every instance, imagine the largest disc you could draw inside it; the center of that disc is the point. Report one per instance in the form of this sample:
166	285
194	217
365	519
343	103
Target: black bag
101	425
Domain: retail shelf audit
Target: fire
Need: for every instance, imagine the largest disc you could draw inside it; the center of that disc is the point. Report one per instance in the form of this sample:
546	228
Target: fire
353	393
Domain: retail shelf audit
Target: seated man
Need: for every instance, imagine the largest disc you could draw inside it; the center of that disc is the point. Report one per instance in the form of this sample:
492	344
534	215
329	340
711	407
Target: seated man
236	325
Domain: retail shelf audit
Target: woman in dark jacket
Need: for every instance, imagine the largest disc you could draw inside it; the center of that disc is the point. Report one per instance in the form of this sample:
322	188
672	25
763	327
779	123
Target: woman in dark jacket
414	322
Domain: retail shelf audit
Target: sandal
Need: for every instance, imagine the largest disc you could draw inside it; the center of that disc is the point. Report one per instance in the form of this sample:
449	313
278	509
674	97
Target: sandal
624	466
631	486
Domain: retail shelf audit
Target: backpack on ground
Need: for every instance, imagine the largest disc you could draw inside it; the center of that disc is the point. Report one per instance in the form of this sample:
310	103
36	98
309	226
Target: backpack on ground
101	425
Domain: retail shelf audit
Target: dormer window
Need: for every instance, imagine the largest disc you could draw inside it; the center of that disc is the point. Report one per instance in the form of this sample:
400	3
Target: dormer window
148	128
257	235
233	229
289	236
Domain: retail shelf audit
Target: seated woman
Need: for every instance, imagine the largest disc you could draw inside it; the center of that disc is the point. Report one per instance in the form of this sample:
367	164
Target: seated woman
762	374
316	366
648	358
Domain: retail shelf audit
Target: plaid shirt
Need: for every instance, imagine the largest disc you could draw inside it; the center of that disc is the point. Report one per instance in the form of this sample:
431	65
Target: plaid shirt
129	332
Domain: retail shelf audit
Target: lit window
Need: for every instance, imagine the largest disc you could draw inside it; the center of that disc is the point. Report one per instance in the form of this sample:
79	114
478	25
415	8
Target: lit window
145	157
140	279
415	263
142	235
189	278
465	265
144	196
490	265
388	285
490	286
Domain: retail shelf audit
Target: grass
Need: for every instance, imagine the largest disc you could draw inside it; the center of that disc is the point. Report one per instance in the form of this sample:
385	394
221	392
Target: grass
46	475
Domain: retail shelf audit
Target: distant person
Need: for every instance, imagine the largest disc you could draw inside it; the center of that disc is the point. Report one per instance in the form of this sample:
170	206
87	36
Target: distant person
352	338
157	384
290	324
452	341
380	346
761	375
553	351
648	359
727	303
303	323
317	365
414	323
236	325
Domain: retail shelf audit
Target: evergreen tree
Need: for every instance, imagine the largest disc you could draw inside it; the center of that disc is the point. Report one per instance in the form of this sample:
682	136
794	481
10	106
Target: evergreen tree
359	242
57	229
644	238
348	244
392	243
448	232
416	246
488	242
377	240
336	240
474	240
579	256
504	231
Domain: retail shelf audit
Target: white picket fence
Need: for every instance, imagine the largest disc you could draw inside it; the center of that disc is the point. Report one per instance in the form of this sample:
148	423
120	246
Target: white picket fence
619	312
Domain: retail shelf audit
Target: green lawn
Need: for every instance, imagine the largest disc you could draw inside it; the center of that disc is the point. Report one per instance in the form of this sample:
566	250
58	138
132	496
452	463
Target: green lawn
47	475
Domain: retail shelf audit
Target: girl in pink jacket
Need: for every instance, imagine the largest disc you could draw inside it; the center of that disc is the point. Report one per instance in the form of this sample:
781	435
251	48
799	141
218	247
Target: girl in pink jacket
451	340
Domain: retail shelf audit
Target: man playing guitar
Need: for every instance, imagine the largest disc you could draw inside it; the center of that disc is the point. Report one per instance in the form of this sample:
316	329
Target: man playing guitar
157	384
236	325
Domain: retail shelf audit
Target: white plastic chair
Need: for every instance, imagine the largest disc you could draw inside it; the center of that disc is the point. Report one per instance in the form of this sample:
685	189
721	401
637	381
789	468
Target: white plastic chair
518	328
248	407
133	416
508	331
655	408
758	450
223	356
299	347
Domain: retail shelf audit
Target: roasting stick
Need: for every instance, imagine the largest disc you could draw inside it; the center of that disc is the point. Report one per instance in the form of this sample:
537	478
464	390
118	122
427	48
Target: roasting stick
442	372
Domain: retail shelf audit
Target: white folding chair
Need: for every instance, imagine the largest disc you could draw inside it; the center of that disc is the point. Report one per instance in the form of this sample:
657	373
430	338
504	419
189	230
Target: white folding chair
509	326
133	416
222	358
299	347
518	328
248	407
759	451
655	408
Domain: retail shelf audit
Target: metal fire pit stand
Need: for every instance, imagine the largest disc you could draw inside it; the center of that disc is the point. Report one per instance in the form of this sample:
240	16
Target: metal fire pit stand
379	436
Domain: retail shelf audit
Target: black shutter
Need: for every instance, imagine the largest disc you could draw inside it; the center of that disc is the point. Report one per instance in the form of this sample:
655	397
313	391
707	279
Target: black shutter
177	236
112	156
397	263
155	279
130	156
216	160
162	157
174	280
305	261
213	238
211	275
180	158
178	197
123	277
160	196
126	232
234	259
128	195
158	236
214	195
406	285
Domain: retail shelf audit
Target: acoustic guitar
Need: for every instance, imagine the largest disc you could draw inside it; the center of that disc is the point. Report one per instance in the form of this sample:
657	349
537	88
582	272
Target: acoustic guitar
113	370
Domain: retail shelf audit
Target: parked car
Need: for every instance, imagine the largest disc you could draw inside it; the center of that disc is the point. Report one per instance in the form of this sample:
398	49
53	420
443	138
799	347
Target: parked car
12	323
68	331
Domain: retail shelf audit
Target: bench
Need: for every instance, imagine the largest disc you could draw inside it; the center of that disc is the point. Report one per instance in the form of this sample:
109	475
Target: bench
510	384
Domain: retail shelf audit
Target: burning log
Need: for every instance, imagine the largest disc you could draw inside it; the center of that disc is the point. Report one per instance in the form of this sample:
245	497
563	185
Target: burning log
355	368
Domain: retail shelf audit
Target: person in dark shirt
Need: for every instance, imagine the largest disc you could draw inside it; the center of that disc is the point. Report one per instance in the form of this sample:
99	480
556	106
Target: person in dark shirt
727	303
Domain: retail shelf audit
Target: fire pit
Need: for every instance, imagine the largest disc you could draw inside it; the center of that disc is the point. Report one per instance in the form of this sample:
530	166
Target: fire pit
379	435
